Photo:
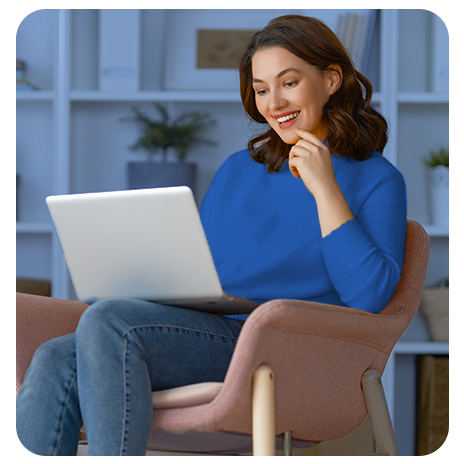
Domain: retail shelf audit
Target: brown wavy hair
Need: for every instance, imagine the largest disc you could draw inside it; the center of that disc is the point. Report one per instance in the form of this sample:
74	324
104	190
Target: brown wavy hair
354	127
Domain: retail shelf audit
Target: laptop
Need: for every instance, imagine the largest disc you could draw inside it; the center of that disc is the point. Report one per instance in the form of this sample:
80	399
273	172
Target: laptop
146	244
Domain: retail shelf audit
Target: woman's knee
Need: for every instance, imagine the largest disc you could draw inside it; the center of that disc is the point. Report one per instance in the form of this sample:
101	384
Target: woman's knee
101	319
100	313
51	359
53	351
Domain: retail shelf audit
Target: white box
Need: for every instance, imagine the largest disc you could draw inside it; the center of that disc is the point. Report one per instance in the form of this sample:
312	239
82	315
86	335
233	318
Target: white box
439	72
119	50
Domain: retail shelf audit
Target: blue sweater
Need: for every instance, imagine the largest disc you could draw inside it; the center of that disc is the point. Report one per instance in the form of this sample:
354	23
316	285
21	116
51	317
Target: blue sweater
265	238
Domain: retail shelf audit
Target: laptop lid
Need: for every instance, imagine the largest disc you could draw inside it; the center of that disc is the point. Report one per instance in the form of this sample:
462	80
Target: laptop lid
146	244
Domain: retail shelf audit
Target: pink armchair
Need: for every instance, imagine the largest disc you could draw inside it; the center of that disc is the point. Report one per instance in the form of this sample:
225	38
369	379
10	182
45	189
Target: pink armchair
302	372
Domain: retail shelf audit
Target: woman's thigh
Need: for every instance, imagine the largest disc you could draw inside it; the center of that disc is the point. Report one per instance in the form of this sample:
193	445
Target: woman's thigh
178	346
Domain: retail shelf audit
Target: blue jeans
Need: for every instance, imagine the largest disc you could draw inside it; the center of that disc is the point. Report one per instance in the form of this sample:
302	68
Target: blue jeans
102	375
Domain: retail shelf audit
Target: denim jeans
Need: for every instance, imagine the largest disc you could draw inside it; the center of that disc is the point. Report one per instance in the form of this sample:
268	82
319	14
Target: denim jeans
102	375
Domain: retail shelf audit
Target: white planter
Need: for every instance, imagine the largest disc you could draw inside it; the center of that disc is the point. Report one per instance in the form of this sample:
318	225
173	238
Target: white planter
434	306
439	195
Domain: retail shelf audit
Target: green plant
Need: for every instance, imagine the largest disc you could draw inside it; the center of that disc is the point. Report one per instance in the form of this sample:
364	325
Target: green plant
181	134
438	157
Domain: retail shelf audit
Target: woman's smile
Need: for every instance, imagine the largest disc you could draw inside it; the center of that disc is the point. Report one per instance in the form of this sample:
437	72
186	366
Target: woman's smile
287	120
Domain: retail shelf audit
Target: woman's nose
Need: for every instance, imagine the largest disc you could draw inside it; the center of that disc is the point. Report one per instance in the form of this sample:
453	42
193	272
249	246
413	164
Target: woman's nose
277	101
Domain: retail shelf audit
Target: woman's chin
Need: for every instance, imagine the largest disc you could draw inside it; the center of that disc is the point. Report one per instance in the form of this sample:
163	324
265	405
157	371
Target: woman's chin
289	139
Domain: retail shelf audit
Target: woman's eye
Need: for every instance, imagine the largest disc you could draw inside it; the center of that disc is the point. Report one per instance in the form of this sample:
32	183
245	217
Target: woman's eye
260	91
290	84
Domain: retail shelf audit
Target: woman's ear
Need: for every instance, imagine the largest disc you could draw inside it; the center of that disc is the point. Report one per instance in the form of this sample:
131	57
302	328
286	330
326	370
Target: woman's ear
335	75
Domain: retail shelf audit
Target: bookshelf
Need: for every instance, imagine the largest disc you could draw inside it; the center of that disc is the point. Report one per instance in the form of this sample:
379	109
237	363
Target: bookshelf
69	139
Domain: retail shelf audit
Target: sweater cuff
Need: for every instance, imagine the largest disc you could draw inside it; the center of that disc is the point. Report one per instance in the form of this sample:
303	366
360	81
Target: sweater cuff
345	248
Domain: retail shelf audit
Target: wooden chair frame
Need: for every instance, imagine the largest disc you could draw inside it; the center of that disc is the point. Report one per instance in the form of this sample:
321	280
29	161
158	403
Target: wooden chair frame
264	414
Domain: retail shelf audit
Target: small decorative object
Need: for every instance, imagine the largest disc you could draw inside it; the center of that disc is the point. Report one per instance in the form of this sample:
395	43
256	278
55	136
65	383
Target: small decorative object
438	164
22	84
220	48
434	306
159	136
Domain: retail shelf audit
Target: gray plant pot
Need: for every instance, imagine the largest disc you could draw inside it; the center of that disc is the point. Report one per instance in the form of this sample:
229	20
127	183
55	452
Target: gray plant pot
154	174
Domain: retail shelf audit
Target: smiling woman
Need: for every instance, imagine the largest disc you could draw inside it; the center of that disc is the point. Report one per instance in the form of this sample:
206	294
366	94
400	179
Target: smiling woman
353	127
296	77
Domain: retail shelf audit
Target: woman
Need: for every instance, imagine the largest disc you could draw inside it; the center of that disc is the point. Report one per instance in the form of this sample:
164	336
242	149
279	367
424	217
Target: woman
310	211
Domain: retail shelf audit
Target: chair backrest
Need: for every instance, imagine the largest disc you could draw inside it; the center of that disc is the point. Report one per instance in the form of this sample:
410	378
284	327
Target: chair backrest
406	298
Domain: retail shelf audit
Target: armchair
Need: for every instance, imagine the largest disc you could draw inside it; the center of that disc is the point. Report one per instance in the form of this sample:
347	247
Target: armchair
302	372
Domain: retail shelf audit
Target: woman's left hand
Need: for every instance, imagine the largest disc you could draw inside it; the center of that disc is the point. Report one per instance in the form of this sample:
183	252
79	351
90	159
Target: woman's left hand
310	159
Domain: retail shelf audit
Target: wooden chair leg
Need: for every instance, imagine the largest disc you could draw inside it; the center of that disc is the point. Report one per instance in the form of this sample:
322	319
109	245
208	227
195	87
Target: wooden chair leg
379	415
263	412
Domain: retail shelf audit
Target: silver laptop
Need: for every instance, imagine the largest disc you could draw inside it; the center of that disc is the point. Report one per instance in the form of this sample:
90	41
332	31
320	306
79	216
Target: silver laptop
147	244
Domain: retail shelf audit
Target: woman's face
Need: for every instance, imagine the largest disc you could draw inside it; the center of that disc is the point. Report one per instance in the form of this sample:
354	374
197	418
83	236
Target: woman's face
290	93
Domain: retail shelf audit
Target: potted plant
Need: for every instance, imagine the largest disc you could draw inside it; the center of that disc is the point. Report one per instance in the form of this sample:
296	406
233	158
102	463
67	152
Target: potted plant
434	306
159	136
437	162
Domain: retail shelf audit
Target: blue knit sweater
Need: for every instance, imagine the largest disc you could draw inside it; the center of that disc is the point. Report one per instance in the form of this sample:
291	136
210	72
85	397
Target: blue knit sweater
265	237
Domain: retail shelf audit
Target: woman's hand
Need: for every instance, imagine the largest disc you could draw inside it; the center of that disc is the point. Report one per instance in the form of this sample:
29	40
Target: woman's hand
310	160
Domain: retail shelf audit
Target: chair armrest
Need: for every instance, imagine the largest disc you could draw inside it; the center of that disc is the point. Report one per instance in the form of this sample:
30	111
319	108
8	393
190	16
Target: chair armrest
186	396
39	319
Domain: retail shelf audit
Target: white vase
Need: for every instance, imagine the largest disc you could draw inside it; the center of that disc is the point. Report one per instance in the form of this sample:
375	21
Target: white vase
434	306
439	195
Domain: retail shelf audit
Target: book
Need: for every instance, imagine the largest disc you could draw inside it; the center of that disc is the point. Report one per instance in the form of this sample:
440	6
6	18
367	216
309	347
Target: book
356	32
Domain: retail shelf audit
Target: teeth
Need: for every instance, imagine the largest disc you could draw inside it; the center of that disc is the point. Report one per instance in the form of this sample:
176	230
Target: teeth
289	116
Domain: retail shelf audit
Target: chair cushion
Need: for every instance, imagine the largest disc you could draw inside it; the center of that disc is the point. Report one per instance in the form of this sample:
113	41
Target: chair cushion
188	395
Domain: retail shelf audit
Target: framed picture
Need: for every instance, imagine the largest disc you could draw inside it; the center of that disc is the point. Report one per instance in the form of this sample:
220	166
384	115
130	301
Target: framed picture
203	46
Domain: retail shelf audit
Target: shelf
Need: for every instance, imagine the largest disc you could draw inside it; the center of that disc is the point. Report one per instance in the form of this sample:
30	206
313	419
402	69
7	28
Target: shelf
34	228
157	95
226	96
423	97
421	348
437	231
35	95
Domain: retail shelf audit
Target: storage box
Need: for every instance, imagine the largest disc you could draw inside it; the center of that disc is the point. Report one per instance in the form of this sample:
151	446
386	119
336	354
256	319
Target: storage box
119	50
34	287
433	403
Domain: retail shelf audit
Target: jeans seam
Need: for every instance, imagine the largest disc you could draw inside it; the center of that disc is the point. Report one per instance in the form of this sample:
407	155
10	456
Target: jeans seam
61	419
125	381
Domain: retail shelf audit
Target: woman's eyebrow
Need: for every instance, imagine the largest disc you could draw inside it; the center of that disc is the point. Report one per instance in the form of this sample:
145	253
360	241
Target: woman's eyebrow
282	73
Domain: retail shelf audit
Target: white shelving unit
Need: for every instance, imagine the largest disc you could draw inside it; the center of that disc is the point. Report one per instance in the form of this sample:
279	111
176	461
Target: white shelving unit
69	138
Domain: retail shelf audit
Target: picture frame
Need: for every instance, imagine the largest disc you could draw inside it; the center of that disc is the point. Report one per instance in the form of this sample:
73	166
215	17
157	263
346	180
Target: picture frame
181	70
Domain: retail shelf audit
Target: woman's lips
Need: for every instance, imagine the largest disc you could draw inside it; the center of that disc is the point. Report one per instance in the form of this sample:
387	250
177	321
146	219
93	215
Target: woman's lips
286	120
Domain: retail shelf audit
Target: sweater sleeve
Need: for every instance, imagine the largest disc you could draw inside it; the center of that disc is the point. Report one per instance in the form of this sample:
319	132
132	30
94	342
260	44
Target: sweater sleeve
364	256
